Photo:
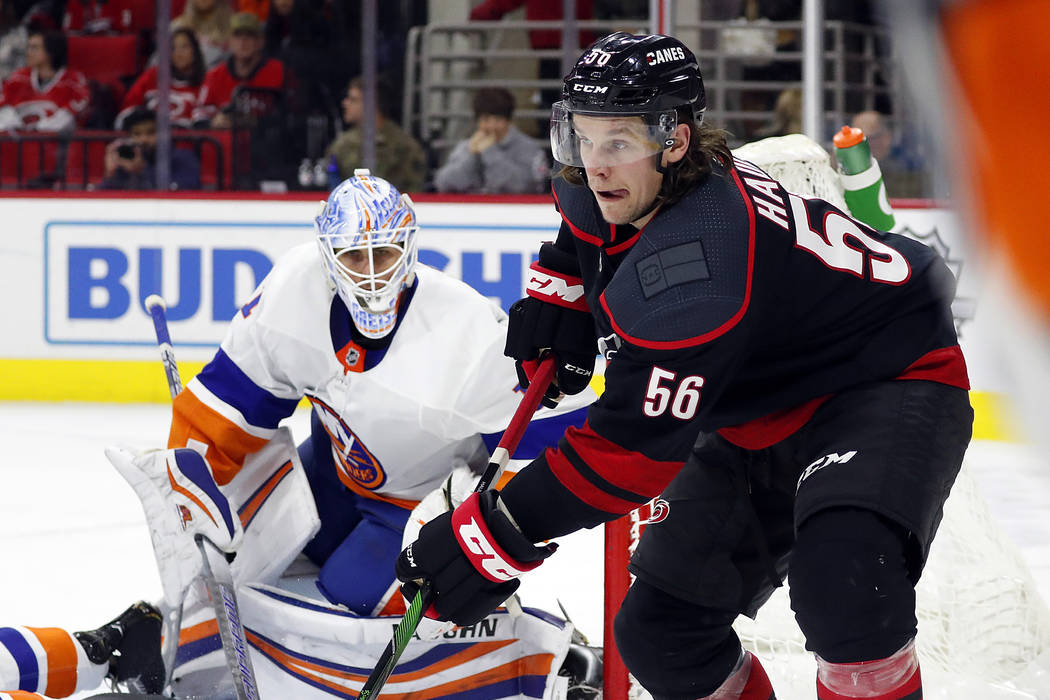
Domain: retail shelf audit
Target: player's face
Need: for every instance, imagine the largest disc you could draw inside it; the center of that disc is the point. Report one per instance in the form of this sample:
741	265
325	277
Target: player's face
625	191
384	260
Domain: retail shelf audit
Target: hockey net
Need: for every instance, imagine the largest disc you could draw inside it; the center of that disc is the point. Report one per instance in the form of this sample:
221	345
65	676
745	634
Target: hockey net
984	630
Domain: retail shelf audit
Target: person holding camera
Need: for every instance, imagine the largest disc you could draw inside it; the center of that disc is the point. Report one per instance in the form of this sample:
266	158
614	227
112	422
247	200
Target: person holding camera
131	160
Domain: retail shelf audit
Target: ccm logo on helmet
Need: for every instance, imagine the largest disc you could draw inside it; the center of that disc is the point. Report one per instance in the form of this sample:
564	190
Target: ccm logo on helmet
596	89
674	53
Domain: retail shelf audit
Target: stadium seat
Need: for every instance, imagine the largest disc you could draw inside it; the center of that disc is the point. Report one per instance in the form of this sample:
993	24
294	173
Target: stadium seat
28	162
86	159
99	16
105	59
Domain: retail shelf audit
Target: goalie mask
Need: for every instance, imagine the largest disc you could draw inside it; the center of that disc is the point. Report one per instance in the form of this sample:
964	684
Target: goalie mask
367	235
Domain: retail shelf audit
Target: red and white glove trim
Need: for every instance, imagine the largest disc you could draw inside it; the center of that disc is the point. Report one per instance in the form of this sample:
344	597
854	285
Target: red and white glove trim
481	548
556	288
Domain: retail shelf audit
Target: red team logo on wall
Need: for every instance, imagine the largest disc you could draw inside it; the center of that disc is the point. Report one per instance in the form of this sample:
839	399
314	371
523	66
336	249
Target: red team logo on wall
357	465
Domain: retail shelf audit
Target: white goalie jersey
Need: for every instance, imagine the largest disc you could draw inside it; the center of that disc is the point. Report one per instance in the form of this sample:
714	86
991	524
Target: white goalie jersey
400	418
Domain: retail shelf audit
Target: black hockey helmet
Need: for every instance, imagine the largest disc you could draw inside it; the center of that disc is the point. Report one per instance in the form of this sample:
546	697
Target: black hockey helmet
625	75
634	74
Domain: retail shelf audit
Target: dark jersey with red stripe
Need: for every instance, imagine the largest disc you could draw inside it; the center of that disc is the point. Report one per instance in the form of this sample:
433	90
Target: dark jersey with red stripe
738	309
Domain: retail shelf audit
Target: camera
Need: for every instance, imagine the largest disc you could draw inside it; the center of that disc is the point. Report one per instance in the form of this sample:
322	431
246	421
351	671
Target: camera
126	150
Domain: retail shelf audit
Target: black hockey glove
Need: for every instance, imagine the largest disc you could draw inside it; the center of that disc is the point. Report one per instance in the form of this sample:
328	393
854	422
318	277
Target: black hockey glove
472	557
553	316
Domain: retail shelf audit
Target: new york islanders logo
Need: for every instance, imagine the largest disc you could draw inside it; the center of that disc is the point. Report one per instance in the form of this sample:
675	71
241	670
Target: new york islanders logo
355	462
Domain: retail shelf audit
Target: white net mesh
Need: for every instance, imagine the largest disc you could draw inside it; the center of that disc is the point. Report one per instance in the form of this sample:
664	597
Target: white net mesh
982	624
800	164
984	630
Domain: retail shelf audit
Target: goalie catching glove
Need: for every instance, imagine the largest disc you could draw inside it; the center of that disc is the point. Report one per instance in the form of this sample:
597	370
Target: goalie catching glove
180	500
472	557
554	316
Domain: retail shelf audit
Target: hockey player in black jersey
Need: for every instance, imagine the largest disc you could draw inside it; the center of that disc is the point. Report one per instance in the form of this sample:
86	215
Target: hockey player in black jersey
786	378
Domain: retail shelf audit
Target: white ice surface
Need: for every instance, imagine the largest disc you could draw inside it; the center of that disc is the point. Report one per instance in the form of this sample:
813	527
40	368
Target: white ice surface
74	542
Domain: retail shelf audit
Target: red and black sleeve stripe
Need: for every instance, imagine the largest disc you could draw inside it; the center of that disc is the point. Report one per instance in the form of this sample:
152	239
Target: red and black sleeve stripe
585	481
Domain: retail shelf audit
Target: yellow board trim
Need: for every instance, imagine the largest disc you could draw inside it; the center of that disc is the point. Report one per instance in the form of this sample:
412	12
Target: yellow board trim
101	381
134	381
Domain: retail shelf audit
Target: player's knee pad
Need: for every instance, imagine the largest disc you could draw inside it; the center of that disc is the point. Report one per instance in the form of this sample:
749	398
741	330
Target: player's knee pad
850	588
674	648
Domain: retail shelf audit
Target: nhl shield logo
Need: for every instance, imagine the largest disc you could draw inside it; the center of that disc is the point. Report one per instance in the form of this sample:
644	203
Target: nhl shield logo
963	308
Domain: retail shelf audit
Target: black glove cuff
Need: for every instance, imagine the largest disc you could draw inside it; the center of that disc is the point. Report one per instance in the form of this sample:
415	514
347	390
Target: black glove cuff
507	534
558	260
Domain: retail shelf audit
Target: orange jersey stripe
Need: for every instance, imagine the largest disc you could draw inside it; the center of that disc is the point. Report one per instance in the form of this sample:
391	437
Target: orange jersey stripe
208	628
394	606
249	509
472	652
178	489
228	443
537	664
61	660
21	695
361	491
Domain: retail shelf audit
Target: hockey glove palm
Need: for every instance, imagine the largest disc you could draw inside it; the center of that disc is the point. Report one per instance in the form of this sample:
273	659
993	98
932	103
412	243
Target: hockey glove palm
553	316
472	557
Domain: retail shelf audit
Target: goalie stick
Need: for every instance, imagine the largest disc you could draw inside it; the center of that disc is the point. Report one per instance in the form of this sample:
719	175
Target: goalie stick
216	567
424	598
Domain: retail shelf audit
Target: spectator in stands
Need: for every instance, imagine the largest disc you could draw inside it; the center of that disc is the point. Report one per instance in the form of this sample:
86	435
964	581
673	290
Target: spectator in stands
131	161
497	158
13	35
539	39
245	68
15	24
187	79
44	95
400	159
787	115
101	16
210	21
259	8
295	23
901	167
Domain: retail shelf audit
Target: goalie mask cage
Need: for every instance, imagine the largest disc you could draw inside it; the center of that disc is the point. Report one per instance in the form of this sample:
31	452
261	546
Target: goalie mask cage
984	630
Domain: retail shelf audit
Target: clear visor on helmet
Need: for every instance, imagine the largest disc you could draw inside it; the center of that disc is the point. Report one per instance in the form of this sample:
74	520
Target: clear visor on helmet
602	140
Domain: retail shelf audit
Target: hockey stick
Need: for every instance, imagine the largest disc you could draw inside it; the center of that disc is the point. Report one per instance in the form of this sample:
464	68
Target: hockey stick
216	567
423	599
157	310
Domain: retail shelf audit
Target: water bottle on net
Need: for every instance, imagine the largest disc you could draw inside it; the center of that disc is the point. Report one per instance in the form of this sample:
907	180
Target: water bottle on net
861	177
